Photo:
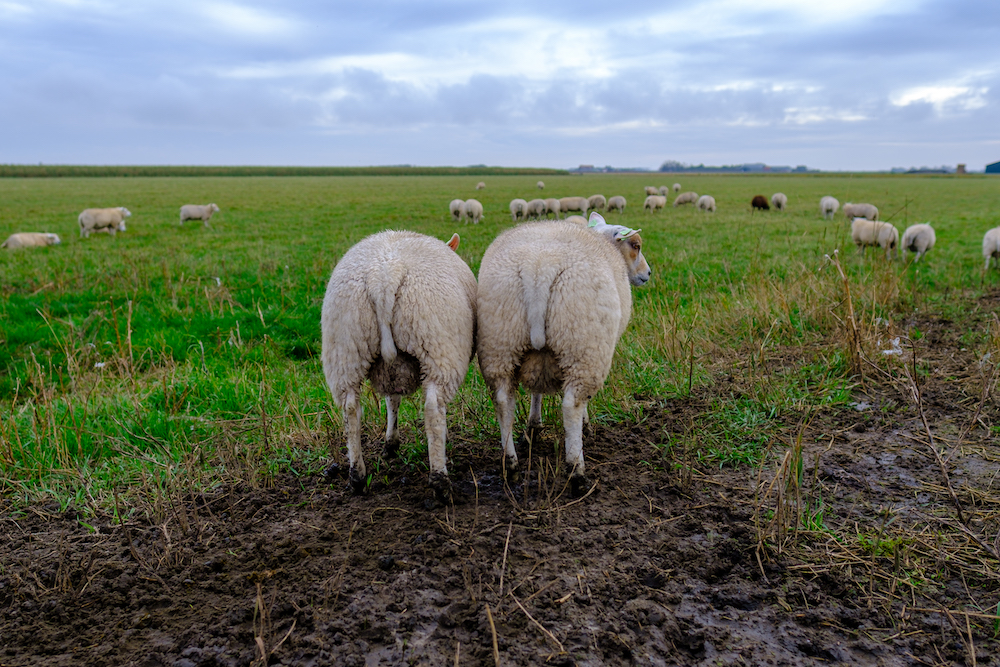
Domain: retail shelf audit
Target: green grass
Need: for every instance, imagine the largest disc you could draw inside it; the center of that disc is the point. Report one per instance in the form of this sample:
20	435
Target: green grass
190	351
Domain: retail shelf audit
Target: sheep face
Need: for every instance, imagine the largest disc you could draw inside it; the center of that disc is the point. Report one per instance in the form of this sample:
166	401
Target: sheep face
128	214
630	247
53	239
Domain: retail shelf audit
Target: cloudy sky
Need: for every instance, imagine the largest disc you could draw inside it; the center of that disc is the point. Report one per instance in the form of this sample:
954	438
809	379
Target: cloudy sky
850	84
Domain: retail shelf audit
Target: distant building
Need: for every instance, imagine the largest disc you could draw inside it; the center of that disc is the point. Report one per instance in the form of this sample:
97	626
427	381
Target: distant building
993	168
960	169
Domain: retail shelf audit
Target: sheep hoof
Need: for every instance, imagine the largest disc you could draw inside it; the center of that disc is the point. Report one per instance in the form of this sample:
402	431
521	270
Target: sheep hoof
357	483
579	485
442	488
529	438
391	448
511	471
332	470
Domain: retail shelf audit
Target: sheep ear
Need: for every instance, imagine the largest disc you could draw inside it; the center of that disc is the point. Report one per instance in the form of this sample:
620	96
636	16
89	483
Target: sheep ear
626	233
453	243
596	219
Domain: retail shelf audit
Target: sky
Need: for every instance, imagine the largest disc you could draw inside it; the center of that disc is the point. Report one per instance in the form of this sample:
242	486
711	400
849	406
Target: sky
845	85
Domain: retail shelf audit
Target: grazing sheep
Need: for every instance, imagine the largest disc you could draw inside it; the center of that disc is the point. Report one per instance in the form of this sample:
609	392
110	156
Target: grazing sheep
664	190
866	232
779	201
581	204
918	238
457	208
828	206
536	208
677	187
552	207
111	220
706	203
651	190
576	219
991	246
759	202
400	309
867	211
541	186
480	185
554	298
596	202
30	240
197	212
654	203
518	209
617	202
474	211
686	198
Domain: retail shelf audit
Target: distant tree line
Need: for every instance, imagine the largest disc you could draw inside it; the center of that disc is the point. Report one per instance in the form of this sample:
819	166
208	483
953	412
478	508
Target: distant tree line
57	171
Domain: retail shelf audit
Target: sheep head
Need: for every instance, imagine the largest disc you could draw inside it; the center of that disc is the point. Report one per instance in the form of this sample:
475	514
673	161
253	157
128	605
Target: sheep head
125	213
629	244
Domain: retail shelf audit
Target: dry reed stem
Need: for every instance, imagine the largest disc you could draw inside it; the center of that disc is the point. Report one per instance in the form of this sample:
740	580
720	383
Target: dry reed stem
540	626
493	633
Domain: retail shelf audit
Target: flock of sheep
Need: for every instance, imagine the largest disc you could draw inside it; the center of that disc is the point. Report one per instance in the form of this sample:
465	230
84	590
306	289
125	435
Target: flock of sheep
108	220
404	311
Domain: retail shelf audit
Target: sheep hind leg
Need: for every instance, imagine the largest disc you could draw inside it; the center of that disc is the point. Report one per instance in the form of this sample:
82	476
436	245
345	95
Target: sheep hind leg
503	401
436	423
534	424
391	448
357	476
573	413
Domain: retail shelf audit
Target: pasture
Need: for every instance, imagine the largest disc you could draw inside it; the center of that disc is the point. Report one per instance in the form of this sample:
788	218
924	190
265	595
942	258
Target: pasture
764	451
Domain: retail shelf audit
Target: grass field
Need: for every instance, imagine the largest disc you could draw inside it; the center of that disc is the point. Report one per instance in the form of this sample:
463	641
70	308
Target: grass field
184	355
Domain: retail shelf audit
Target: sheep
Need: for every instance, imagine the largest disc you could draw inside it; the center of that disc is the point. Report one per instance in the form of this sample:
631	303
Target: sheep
576	219
991	246
779	201
554	298
518	209
30	240
759	202
677	187
100	219
541	185
457	208
596	202
536	209
664	190
480	185
918	238
651	190
654	203
828	206
866	232
686	198
552	207
617	202
474	211
581	204
196	212
706	203
867	211
400	309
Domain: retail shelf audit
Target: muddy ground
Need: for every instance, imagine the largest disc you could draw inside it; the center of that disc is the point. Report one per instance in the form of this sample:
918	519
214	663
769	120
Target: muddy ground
669	561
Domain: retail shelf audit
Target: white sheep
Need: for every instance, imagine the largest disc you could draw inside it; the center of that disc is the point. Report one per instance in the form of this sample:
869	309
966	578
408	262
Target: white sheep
706	203
554	298
576	219
654	203
457	208
664	190
30	240
480	185
473	210
677	187
541	185
828	206
867	211
400	310
111	220
991	246
596	202
866	232
518	209
651	190
686	198
552	207
197	212
918	238
779	201
536	208
581	204
617	202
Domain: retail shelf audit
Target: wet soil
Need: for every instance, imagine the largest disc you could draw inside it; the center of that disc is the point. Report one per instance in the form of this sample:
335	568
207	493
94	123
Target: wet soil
668	561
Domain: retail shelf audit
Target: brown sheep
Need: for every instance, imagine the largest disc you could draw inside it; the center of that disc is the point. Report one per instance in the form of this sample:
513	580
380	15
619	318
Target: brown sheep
759	201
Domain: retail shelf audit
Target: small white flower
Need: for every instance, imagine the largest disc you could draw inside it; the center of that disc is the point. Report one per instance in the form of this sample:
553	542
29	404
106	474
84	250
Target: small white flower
218	282
99	364
895	349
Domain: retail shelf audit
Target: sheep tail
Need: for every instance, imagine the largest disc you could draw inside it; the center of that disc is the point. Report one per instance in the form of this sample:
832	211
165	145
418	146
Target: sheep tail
537	290
384	300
